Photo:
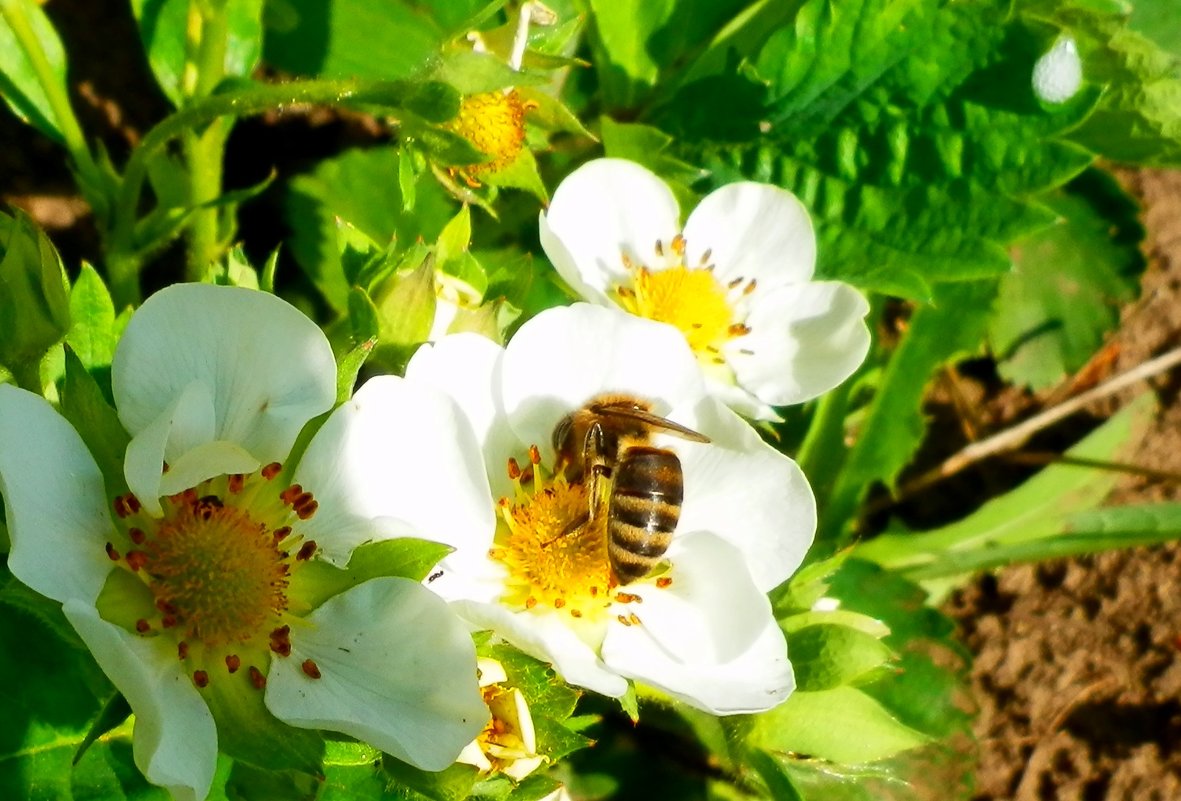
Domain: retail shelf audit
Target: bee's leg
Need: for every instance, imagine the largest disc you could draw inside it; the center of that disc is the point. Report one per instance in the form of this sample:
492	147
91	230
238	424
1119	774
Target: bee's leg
594	456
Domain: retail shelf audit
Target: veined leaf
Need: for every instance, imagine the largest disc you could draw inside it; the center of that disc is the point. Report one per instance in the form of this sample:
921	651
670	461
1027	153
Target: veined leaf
1062	297
20	84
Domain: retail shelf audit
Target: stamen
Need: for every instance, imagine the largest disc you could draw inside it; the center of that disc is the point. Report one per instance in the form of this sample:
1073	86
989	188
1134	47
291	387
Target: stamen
514	469
271	470
735	282
112	553
201	679
306	551
142	626
233	662
659	248
257	680
678	245
137	535
235	483
664	581
182	650
310	669
281	641
750	287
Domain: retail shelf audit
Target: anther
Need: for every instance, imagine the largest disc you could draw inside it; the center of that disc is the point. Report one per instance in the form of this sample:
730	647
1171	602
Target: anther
705	256
235	483
136	560
306	551
623	620
625	292
735	282
310	669
182	650
534	455
289	495
112	553
659	248
137	535
257	680
271	470
280	534
739	330
575	613
527	475
635	621
530	602
514	469
281	641
559	603
233	662
142	626
628	598
664	581
168	621
749	287
678	245
165	606
201	679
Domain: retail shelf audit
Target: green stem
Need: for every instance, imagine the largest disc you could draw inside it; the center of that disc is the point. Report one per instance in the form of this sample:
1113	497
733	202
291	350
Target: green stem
55	92
125	254
205	150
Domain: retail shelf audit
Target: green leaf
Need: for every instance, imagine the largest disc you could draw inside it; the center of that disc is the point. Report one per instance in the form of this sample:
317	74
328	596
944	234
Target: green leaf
894	425
85	406
34	296
248	732
546	693
249	782
1030	517
351	38
359	189
48	698
1157	20
841	725
1054	310
453	784
164	27
778	783
825	656
1139	117
94	331
20	84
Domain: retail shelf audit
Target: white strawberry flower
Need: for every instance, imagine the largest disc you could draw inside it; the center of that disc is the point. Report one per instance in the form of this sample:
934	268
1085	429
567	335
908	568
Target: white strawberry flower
216	583
736	280
699	626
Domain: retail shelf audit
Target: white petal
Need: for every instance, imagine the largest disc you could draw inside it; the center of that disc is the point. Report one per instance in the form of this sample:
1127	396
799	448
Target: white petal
399	450
755	231
566	355
546	636
741	401
747	493
55	501
1058	74
602	210
709	638
184	423
175	739
270	368
804	341
217	458
467	368
398	670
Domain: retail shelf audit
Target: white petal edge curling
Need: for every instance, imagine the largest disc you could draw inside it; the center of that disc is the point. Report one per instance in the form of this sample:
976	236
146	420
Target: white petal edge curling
402	450
55	500
604	209
753	230
398	670
269	367
710	638
175	738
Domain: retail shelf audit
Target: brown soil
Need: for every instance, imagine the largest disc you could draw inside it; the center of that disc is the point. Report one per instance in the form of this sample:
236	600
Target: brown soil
1077	671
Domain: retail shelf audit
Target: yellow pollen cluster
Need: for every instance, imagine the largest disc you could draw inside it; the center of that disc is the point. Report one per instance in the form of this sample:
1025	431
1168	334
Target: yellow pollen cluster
494	122
215	569
691	299
555	558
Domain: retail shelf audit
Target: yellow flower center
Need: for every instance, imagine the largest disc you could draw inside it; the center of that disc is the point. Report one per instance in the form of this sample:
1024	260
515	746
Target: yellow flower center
691	299
494	122
213	572
555	554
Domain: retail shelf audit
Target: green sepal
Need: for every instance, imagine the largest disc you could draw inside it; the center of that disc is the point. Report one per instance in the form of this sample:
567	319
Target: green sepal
403	557
248	732
85	406
826	655
114	712
34	297
94	329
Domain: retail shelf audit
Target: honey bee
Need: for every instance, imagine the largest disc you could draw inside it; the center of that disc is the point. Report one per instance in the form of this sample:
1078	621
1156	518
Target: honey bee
638	486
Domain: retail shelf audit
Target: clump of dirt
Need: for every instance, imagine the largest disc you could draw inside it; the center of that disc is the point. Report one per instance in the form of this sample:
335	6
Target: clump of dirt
1078	662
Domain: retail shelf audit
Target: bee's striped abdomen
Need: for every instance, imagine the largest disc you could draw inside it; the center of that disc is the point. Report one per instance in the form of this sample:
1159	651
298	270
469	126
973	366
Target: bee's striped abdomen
646	493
